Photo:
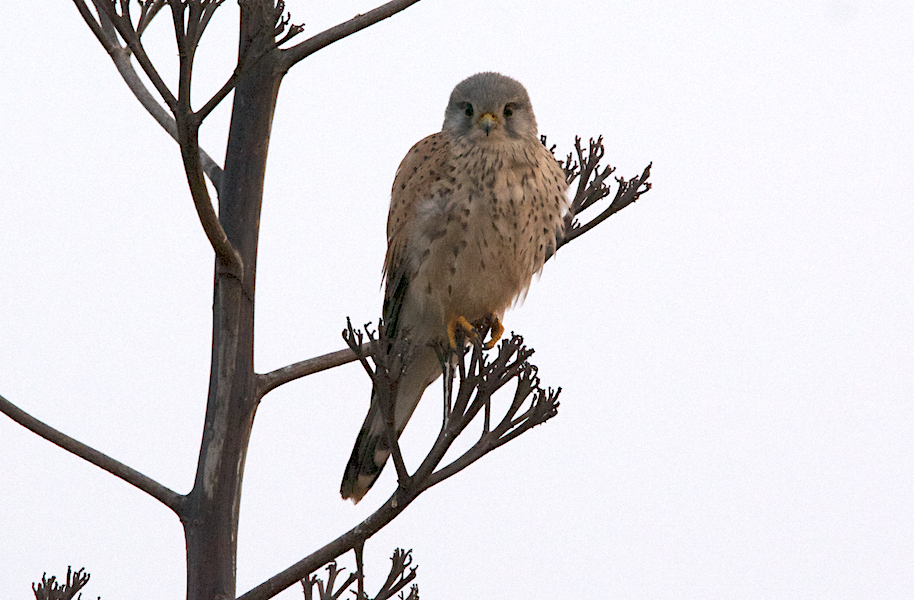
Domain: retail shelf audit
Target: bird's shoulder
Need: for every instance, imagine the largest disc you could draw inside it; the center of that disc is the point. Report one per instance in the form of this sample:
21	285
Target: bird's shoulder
425	165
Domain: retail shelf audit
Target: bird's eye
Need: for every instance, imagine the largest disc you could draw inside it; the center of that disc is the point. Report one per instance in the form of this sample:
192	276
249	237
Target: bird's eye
509	110
469	110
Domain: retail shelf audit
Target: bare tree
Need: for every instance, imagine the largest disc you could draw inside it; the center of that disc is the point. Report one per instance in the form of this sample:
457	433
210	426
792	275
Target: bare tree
209	512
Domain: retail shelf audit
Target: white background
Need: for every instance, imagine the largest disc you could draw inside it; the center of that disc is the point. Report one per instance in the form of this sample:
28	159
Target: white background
735	350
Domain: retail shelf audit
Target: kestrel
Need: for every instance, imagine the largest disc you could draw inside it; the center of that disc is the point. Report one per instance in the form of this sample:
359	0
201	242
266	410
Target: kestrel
474	212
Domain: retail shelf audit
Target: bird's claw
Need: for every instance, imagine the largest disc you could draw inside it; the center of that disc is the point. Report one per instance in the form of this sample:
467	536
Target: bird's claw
495	333
452	330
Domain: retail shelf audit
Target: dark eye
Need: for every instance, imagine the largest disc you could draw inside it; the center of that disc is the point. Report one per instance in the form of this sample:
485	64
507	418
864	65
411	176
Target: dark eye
509	110
469	110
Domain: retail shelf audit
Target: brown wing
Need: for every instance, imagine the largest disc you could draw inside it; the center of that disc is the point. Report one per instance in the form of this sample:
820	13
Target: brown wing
424	165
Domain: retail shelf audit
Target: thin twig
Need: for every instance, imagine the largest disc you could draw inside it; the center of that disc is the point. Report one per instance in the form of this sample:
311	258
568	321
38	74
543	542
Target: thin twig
330	591
354	339
147	13
209	9
628	192
398	578
169	498
120	55
325	38
543	407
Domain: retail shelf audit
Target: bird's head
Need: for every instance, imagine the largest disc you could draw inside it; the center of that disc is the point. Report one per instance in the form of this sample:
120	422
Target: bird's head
490	106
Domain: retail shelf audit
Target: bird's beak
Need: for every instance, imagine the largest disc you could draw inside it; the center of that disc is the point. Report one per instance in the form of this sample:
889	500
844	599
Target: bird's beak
488	122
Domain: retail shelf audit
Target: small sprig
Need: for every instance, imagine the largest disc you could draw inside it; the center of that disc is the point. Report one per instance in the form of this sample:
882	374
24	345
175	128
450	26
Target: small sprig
397	579
390	358
328	591
479	378
49	589
284	21
584	166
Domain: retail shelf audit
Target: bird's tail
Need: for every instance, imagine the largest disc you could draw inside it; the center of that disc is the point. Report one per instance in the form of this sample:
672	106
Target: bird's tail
372	449
368	456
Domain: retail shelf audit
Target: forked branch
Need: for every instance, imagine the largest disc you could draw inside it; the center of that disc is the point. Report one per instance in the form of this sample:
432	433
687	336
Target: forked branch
479	379
284	24
185	126
125	28
328	591
190	20
106	34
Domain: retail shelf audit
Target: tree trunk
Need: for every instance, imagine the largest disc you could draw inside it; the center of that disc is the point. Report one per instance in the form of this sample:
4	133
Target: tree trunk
211	525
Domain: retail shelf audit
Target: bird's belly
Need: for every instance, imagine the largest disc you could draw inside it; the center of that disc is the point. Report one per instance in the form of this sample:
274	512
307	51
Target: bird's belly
473	272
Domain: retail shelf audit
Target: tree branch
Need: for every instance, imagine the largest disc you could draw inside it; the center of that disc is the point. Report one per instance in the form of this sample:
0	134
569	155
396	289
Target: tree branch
218	97
227	256
398	578
542	408
629	191
120	55
330	592
480	380
272	380
325	38
169	498
188	126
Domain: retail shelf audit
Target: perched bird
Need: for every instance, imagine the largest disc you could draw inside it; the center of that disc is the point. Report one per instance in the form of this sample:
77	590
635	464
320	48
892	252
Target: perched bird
474	211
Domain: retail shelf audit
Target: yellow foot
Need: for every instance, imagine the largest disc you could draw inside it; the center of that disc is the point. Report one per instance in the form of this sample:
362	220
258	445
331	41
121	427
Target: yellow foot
495	333
452	329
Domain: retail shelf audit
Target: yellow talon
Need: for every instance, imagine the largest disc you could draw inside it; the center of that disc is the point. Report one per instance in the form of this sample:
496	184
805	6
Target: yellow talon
497	330
452	329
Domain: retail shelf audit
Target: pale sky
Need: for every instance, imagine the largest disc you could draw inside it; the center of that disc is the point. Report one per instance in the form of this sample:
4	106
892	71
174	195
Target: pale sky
735	350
